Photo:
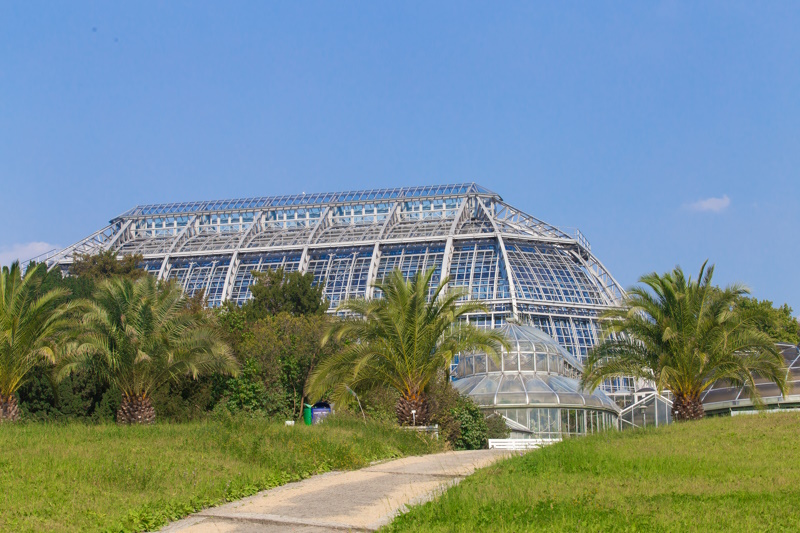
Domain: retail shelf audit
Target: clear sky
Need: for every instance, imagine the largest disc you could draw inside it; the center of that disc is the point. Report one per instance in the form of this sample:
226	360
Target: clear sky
668	132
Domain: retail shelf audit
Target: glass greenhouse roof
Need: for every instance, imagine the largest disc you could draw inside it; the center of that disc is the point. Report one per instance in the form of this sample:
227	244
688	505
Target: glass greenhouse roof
532	350
535	372
721	395
521	267
531	389
372	195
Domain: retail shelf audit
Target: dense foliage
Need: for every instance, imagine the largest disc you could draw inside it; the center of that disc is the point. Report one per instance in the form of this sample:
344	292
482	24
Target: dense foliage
777	322
461	422
33	329
278	352
138	336
402	341
106	264
276	338
277	291
683	335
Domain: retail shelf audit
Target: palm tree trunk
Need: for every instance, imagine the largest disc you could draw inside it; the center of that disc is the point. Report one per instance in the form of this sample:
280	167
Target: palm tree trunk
687	407
9	408
414	401
136	409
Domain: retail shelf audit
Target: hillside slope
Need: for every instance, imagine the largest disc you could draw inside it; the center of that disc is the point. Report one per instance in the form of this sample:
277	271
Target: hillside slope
722	474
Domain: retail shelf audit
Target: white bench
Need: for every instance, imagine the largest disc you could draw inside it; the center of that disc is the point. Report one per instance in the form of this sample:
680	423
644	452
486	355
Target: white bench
519	444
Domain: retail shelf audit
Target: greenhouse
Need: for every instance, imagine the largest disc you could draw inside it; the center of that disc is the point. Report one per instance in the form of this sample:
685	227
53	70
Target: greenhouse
535	388
722	398
523	268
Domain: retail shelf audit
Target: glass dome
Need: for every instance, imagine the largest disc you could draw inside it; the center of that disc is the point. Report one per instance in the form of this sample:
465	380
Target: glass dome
721	397
532	350
535	387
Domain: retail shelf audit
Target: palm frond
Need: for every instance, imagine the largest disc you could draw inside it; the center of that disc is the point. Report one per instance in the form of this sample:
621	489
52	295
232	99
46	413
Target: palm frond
401	340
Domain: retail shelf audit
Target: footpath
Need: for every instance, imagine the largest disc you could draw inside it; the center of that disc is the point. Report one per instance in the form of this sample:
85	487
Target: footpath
361	500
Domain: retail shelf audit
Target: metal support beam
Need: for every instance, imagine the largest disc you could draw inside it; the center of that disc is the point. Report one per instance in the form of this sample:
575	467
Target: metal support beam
162	272
376	251
511	285
389	220
233	267
373	270
448	247
324	222
122	231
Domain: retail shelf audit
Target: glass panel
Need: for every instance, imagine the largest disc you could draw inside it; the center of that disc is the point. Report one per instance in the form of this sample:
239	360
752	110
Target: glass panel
526	362
484	392
511	391
480	364
464	386
510	362
593	399
492	365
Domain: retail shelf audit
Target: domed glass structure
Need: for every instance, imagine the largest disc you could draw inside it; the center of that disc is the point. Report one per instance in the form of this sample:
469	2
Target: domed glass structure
522	268
535	387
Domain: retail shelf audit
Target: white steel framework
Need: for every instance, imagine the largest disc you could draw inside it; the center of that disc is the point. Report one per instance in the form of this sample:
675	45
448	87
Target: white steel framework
522	267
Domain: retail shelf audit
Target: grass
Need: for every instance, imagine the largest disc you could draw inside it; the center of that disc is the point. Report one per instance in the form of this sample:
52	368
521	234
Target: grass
722	474
76	477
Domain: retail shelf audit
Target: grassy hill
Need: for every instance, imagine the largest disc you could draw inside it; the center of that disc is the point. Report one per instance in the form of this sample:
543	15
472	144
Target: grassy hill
722	474
76	477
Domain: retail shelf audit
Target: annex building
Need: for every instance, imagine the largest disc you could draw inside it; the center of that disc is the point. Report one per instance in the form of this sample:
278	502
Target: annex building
522	267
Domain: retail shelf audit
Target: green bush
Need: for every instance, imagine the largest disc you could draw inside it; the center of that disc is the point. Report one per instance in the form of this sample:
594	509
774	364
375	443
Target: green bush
461	421
496	427
79	396
246	392
472	425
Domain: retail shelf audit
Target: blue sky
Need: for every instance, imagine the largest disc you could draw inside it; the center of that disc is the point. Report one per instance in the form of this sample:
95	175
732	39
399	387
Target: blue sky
668	132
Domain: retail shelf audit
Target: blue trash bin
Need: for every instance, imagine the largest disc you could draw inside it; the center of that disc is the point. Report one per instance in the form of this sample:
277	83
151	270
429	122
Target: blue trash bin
319	411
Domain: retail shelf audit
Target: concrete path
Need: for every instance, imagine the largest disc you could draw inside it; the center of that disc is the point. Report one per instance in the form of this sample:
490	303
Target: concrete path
361	500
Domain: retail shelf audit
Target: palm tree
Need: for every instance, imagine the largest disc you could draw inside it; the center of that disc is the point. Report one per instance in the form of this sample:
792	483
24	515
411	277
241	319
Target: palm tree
138	335
683	335
32	329
401	341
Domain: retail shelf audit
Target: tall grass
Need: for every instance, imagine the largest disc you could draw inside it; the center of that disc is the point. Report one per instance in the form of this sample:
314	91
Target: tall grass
722	474
76	477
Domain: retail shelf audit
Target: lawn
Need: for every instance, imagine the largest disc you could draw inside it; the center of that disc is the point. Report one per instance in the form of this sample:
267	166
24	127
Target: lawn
76	477
722	474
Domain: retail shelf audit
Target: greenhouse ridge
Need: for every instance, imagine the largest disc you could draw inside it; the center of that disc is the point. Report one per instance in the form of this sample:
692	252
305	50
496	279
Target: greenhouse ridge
309	199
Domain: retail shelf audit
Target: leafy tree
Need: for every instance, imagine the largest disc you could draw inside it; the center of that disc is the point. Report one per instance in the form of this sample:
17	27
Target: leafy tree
79	287
139	336
283	348
777	322
32	329
277	291
401	341
684	335
105	264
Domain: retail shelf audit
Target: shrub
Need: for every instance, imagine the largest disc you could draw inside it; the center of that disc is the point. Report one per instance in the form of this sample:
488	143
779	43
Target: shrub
247	392
472	425
461	421
496	427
